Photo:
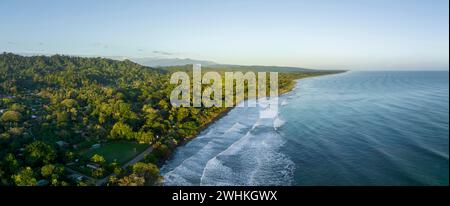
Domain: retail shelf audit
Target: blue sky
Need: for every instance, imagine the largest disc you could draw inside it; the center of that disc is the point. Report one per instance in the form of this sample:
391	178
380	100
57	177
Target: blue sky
344	34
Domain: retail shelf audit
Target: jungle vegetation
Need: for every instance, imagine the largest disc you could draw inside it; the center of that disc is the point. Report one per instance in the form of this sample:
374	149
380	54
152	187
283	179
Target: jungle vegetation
65	118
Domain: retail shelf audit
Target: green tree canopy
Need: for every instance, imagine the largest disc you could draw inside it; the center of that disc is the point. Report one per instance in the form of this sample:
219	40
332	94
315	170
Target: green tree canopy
50	170
149	171
69	103
131	180
121	130
11	116
98	159
25	178
39	152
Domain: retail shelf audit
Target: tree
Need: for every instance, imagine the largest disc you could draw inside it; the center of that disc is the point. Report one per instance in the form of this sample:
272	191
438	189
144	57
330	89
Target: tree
17	107
163	104
62	117
161	151
11	116
25	178
53	173
51	170
69	103
38	152
182	113
121	130
98	159
145	137
11	163
69	156
131	180
150	158
148	171
16	131
148	109
98	172
115	167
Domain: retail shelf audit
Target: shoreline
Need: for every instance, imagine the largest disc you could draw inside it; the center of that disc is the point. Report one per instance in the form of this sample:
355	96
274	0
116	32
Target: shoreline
226	111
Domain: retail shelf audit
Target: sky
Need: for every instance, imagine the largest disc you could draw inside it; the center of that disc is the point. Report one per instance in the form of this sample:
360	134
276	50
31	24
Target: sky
322	34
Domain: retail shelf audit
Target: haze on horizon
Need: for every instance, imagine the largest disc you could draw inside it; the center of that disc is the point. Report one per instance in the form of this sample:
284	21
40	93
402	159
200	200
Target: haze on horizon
324	34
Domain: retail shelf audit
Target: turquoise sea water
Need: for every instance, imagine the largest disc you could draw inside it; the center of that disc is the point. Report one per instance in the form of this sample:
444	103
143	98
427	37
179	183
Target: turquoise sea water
354	128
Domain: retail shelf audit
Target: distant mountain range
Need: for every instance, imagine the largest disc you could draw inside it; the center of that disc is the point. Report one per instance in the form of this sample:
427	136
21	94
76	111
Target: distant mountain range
163	62
167	62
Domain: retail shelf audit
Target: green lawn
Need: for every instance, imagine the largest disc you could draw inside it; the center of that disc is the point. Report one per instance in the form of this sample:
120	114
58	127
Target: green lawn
122	151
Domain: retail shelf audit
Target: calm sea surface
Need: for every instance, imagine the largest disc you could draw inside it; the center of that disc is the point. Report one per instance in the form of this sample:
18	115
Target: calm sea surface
355	128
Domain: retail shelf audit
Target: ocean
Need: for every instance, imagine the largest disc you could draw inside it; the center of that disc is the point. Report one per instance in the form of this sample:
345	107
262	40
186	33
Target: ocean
353	128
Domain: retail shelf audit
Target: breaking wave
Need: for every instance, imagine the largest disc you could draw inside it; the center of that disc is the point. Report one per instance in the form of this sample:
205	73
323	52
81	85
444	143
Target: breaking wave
242	148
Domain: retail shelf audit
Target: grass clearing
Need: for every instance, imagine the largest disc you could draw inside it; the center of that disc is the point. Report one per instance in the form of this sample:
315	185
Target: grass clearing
122	152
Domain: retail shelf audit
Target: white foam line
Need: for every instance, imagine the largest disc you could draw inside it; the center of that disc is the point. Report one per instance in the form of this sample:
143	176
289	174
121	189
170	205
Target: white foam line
244	138
202	149
236	142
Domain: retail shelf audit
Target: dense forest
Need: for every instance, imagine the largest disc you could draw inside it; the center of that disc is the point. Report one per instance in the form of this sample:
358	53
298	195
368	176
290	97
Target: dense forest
83	121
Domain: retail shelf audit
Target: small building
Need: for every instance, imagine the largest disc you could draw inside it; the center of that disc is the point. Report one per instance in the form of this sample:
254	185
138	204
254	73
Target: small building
61	143
33	116
70	164
93	166
95	146
42	182
76	177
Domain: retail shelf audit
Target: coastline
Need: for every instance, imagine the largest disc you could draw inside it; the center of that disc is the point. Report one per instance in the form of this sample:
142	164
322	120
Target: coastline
290	88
